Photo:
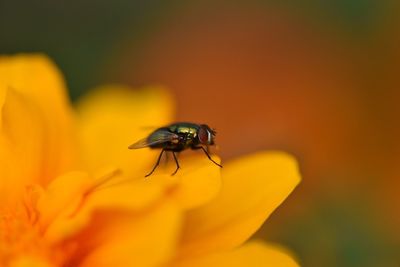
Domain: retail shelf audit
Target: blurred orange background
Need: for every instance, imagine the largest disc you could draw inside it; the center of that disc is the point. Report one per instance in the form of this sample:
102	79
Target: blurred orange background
318	79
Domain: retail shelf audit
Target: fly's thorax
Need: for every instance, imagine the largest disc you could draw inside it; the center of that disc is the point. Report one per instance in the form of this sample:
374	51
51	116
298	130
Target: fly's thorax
184	128
191	134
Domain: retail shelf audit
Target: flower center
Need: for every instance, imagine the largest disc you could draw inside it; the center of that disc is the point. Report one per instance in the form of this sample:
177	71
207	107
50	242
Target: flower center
18	236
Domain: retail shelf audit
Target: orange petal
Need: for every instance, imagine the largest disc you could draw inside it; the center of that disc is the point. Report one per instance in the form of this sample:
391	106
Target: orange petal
111	118
253	187
251	254
128	239
36	78
21	141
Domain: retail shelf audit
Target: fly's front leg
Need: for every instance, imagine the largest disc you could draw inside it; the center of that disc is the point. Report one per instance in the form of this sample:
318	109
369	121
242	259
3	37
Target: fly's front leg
207	154
177	163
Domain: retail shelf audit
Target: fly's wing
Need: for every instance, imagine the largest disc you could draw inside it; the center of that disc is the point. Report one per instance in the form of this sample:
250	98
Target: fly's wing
158	137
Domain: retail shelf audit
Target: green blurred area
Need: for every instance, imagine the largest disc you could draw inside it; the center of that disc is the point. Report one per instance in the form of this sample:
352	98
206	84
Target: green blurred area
85	38
82	36
340	231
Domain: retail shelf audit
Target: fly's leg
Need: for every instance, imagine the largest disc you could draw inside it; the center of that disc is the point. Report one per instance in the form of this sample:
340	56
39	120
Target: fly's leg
177	163
208	155
155	166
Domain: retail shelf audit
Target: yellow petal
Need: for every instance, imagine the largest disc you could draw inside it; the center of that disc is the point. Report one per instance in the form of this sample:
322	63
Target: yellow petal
21	141
197	181
35	77
251	254
126	239
111	118
62	193
30	261
69	202
253	187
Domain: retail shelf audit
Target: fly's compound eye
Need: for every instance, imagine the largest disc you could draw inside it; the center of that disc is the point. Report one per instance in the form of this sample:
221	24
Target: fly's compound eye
204	136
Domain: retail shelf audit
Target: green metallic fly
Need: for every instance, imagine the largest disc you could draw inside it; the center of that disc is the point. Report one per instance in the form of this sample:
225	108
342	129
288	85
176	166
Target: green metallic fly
177	137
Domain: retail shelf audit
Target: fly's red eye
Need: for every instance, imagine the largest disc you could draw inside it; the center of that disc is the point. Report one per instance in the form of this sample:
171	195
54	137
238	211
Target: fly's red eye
203	136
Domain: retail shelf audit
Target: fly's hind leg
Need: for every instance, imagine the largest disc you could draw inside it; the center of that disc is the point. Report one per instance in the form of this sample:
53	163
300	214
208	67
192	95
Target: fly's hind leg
155	166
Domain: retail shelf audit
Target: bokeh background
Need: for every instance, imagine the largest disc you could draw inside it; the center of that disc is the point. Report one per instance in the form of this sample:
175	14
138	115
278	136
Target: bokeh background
317	78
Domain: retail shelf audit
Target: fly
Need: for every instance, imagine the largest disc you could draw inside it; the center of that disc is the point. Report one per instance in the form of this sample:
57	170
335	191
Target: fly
177	137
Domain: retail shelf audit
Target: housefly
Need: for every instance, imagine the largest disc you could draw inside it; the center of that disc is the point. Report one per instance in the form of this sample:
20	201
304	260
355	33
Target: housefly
177	137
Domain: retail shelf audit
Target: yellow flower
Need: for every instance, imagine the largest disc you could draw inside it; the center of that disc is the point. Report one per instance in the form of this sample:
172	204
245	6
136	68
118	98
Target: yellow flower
72	194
